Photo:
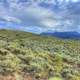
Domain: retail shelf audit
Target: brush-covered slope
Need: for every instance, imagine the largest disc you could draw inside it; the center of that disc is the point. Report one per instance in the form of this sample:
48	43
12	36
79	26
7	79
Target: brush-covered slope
43	57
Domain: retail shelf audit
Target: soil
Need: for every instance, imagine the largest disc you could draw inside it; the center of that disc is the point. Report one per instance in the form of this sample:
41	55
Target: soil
20	77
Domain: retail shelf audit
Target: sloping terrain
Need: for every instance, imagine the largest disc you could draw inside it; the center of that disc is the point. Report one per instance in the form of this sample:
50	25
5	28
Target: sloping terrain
43	58
63	35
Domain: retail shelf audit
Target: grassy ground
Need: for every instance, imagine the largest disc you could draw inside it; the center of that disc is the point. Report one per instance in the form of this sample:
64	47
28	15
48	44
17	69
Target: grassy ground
41	57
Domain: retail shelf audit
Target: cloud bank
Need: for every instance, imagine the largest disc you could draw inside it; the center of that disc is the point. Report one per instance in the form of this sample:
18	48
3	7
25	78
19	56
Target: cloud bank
40	15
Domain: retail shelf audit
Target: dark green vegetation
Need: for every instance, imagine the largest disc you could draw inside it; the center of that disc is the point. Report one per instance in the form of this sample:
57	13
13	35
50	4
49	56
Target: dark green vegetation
43	57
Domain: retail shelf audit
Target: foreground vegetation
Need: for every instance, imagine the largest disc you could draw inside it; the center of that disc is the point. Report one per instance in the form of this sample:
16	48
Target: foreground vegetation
42	57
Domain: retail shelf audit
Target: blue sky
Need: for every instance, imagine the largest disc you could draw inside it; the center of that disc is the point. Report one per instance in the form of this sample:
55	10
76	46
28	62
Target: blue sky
40	15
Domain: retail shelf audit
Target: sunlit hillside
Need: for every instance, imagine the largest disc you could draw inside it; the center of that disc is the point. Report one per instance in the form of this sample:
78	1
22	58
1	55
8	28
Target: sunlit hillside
38	57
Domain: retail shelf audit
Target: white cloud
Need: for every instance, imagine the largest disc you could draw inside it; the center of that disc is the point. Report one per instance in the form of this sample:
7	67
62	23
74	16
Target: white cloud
35	15
11	19
28	15
49	22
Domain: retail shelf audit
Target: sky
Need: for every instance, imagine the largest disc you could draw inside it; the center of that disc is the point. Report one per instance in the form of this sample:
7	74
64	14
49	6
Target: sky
40	15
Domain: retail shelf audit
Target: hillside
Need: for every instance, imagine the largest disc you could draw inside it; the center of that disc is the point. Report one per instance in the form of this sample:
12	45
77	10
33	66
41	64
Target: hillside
42	57
63	35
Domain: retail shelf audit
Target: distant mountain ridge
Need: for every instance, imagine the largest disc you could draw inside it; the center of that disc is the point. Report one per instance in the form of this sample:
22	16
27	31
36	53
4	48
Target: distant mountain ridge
63	35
